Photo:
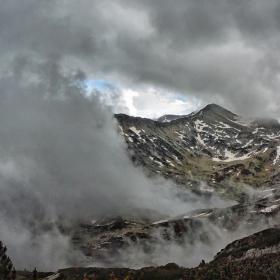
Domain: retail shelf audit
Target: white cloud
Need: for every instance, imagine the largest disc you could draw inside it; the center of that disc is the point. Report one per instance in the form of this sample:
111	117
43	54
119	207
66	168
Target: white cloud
151	103
147	102
128	96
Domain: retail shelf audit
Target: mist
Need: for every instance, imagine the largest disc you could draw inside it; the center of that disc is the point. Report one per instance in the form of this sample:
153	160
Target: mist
61	157
63	161
203	242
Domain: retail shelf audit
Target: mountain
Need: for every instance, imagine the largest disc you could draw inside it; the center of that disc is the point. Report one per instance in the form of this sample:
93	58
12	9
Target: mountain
213	145
253	257
209	152
169	118
108	240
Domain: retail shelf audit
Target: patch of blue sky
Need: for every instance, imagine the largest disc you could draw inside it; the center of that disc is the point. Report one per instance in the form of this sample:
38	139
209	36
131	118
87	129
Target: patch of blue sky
195	101
184	98
180	97
99	84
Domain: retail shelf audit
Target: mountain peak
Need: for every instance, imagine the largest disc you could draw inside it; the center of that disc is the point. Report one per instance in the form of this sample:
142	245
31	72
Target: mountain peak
216	110
212	106
215	107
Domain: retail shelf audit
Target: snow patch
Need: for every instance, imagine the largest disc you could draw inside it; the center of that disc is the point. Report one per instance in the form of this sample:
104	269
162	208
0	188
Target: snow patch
247	144
206	189
199	125
201	215
176	158
231	157
224	125
268	190
200	140
272	137
159	163
270	209
161	221
121	130
263	151
53	276
277	155
133	129
181	136
170	163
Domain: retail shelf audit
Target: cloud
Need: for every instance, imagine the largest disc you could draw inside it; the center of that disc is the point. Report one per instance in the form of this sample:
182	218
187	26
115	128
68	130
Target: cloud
203	240
150	103
226	52
144	102
63	161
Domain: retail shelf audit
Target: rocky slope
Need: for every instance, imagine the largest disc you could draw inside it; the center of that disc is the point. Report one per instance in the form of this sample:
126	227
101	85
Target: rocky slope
108	240
213	145
260	243
254	257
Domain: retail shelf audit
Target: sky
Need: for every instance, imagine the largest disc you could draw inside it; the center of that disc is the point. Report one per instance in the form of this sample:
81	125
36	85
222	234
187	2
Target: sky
145	102
163	57
67	66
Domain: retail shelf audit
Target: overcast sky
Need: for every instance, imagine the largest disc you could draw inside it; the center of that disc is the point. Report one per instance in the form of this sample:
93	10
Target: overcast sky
60	153
162	56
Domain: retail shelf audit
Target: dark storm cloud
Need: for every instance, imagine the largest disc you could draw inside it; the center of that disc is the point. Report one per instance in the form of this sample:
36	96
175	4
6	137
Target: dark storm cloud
219	51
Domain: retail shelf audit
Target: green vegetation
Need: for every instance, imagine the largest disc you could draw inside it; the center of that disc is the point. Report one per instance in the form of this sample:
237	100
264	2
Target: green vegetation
266	267
7	271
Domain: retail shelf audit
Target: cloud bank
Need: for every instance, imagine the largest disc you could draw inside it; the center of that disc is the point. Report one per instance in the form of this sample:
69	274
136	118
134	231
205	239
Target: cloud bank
224	52
63	161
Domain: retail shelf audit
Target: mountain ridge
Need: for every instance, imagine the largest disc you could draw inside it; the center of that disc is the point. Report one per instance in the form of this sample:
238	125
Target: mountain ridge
212	145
